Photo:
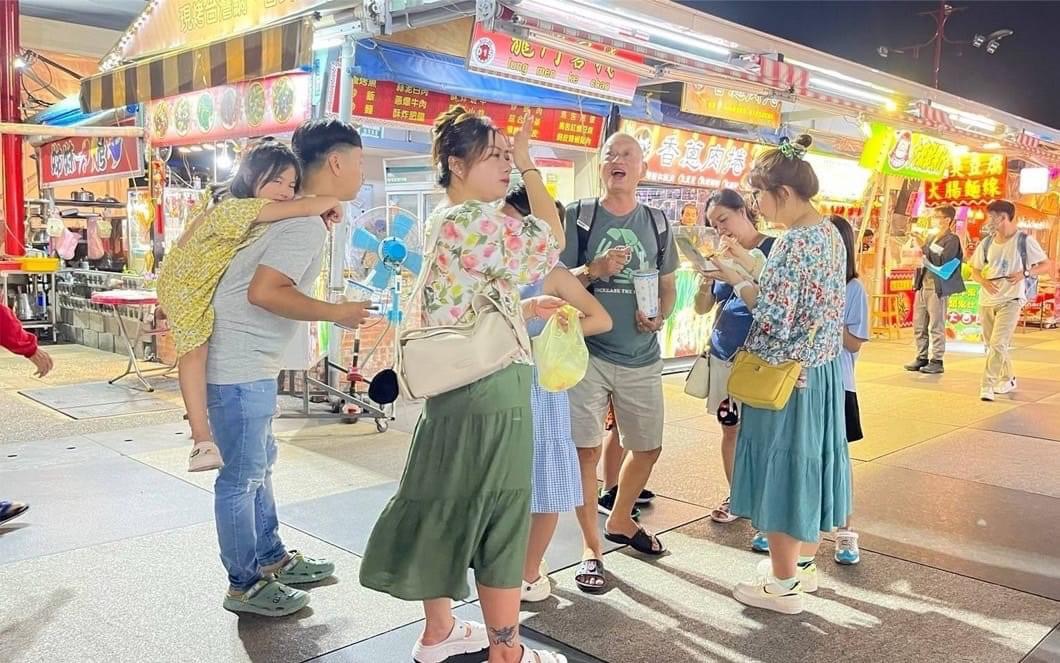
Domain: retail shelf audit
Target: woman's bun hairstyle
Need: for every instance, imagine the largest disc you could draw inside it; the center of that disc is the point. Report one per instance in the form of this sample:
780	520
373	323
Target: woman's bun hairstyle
461	134
784	166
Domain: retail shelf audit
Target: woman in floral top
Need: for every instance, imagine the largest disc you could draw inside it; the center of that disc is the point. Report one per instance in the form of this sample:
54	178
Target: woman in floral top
464	499
792	471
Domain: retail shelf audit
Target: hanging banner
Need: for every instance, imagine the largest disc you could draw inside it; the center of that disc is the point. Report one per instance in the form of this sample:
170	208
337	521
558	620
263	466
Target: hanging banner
400	103
974	178
745	107
689	158
263	107
80	160
905	153
504	56
186	23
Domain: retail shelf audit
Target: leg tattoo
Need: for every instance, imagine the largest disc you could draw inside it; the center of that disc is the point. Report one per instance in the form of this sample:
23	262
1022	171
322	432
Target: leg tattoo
503	636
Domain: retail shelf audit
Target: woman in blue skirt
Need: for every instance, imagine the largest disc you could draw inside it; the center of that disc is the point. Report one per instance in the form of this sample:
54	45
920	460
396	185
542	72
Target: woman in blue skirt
556	484
792	471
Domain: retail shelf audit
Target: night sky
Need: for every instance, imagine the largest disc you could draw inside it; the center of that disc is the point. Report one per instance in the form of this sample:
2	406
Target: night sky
1021	77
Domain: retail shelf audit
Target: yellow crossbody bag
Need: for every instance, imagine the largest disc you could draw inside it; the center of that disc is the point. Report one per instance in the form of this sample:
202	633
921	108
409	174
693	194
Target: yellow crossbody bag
757	383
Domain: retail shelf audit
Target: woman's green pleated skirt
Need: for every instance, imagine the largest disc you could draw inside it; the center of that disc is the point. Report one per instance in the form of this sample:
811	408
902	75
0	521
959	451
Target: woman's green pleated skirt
464	499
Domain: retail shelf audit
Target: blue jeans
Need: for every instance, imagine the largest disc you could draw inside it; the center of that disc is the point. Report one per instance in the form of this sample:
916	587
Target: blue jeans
244	506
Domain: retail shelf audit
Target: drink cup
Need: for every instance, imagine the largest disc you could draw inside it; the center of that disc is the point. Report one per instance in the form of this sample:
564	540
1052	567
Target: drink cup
646	287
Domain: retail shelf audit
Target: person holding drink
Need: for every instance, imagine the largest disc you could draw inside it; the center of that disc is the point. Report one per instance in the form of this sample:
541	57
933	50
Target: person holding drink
624	251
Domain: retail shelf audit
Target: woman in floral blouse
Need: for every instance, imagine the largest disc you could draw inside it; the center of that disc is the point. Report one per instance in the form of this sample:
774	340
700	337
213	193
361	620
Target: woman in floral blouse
792	471
464	499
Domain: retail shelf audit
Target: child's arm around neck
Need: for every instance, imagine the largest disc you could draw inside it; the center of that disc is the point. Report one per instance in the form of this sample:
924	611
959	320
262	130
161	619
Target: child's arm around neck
281	210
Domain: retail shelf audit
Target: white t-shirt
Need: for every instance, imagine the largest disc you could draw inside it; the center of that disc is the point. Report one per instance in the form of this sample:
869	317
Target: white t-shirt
1005	259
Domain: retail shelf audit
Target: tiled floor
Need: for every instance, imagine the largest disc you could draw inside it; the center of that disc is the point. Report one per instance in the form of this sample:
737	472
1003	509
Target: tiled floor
957	501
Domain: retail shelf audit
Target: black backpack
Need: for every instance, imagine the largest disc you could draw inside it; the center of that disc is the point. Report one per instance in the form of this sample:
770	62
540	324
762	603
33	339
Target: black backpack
587	209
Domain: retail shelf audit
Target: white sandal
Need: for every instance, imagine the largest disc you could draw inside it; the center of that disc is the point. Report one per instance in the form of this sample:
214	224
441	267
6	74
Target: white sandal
465	638
541	656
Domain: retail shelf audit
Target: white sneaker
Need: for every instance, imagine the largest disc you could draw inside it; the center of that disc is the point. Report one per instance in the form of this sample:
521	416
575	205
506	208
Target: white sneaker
466	638
1006	387
847	552
536	591
986	394
807	576
770	596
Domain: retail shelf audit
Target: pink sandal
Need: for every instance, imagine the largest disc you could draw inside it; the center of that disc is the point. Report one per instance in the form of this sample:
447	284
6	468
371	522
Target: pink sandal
722	514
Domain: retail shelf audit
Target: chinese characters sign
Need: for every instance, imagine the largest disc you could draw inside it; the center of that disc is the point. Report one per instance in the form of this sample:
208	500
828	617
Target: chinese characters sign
397	102
688	158
266	106
974	178
905	153
498	54
187	23
734	105
80	160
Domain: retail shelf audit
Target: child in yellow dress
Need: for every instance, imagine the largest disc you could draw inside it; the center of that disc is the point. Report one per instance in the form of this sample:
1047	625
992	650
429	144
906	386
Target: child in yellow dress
262	191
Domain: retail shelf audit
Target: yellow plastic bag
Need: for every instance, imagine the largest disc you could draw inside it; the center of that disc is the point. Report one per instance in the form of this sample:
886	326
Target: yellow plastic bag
561	356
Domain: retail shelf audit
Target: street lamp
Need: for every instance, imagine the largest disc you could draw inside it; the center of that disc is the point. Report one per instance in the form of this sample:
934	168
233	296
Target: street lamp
941	15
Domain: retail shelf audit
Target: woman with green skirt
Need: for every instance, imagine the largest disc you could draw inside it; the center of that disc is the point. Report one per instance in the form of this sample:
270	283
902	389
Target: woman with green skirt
464	499
791	474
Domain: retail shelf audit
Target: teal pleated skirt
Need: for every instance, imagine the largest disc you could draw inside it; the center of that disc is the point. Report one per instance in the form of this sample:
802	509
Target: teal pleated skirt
464	498
792	472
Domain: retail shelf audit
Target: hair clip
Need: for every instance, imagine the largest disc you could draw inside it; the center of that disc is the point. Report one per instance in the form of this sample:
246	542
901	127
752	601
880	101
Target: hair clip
791	150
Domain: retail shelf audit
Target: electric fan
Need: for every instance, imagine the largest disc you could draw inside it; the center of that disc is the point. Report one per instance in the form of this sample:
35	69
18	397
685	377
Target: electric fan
383	248
383	243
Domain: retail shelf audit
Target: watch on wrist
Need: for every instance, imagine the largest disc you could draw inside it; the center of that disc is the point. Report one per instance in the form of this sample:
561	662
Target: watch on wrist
1026	273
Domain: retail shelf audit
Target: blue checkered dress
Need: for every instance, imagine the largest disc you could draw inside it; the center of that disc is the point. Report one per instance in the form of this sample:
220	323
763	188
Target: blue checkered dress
556	480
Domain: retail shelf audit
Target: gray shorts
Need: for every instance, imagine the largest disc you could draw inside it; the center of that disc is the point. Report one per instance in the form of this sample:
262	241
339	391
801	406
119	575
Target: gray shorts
637	394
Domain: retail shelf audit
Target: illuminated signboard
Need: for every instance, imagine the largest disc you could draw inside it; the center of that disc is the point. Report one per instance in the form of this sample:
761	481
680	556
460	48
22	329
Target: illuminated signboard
690	158
906	153
974	178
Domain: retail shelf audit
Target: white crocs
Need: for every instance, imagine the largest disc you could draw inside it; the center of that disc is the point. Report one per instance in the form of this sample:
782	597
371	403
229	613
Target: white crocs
465	638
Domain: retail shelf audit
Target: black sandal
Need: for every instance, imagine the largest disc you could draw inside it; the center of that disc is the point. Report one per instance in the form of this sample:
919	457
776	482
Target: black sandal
590	576
642	542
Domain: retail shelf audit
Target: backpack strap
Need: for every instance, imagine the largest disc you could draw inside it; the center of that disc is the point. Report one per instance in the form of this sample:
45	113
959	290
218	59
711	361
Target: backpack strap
587	209
986	248
662	236
1021	246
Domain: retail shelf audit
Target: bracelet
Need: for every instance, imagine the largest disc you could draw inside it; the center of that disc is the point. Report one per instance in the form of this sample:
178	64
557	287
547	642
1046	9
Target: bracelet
529	170
738	288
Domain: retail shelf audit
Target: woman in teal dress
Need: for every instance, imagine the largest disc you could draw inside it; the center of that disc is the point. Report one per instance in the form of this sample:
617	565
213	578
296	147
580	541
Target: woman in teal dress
792	471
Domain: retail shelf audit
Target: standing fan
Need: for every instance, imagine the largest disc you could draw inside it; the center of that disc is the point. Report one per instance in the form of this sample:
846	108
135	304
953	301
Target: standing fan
385	244
384	241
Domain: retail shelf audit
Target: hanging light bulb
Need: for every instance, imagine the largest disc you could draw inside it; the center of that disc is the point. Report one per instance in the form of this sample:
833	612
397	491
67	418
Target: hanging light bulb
224	159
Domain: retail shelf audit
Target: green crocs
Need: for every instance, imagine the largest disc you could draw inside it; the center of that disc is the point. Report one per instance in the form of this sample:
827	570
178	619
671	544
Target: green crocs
301	570
268	598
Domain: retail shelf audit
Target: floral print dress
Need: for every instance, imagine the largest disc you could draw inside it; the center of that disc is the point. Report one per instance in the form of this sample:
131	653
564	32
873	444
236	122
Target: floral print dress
480	250
193	268
799	313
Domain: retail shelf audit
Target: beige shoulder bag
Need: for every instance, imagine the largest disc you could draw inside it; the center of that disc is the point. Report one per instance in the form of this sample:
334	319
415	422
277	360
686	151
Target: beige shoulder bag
435	360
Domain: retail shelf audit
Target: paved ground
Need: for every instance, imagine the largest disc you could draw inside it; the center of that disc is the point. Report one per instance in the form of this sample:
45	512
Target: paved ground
958	503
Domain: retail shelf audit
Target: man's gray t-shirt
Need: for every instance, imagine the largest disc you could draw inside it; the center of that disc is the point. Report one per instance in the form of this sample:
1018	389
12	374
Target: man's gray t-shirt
624	345
248	342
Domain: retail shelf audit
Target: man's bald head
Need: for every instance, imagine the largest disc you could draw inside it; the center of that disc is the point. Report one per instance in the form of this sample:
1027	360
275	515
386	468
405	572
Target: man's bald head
623	166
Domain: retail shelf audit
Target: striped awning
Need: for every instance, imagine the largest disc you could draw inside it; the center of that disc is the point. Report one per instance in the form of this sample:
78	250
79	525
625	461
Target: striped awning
263	52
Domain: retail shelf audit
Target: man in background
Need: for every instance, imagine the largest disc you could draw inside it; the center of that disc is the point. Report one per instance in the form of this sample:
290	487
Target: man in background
933	291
